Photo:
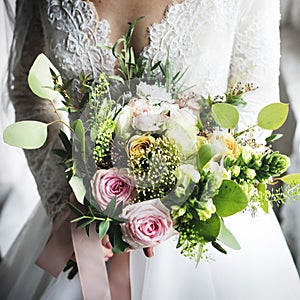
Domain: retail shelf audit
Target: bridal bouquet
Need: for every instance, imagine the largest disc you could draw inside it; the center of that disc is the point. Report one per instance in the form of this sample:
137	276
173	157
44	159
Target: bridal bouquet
148	160
156	162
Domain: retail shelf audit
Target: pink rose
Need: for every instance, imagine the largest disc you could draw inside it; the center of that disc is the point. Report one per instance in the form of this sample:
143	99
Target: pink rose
107	184
145	116
149	224
140	107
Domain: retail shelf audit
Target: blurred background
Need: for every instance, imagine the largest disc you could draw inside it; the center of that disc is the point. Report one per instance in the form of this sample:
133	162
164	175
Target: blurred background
18	193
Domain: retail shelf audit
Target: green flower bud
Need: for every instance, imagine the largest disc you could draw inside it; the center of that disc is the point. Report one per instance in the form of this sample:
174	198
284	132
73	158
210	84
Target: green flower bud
235	171
273	164
256	161
250	173
246	155
207	211
178	211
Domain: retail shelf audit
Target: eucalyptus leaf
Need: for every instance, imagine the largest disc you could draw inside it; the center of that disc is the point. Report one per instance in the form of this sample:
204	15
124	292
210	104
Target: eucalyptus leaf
264	205
205	154
225	115
291	179
263	202
102	228
210	228
40	79
78	188
230	199
227	238
273	116
26	134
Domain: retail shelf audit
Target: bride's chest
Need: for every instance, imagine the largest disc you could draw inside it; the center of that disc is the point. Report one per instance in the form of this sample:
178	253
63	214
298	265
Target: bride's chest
196	34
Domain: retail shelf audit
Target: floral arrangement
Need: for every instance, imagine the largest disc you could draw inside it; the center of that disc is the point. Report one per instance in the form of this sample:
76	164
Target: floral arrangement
148	160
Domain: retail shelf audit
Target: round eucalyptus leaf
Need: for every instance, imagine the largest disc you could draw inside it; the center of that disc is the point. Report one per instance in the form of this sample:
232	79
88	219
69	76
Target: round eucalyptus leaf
40	79
78	188
273	116
210	228
291	178
226	115
227	238
230	199
26	134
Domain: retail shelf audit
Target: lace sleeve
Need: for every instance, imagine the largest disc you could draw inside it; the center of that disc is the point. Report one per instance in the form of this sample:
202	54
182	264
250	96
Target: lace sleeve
50	178
256	53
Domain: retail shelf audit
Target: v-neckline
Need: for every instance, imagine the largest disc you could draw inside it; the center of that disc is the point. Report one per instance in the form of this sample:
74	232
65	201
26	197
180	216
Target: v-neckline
161	23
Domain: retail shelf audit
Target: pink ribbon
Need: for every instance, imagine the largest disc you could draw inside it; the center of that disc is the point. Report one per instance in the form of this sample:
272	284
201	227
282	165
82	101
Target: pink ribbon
91	265
66	239
59	248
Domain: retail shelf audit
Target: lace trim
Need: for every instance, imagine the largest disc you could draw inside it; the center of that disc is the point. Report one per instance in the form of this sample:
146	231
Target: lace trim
76	39
177	35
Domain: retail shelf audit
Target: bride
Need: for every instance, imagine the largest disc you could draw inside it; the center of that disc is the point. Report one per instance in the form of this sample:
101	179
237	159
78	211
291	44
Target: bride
219	41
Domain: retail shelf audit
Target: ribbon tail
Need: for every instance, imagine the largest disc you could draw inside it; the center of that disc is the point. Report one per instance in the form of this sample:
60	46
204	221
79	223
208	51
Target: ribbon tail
91	265
59	248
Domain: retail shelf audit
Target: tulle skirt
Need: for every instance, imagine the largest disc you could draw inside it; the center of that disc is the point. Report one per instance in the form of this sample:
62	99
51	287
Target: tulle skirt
262	269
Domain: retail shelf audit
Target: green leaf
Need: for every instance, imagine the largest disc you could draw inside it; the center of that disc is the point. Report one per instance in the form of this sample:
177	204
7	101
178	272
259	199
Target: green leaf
110	208
75	209
86	223
87	229
227	238
263	202
274	137
26	134
80	135
61	153
65	140
205	154
116	77
78	188
230	199
210	228
291	179
40	79
102	228
115	235
273	116
219	247
225	115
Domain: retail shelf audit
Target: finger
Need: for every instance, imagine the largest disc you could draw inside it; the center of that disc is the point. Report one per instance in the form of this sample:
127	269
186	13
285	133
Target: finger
149	251
107	254
106	243
72	197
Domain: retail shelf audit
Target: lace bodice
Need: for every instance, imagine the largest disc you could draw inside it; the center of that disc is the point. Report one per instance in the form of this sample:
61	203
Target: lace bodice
215	40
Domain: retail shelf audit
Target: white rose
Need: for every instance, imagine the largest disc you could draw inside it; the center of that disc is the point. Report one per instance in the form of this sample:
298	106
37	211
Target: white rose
123	123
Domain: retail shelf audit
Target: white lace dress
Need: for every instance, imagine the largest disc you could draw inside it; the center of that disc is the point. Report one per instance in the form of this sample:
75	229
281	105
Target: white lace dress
219	41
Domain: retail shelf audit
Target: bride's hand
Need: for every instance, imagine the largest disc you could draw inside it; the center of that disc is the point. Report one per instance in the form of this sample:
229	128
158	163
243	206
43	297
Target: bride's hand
149	251
107	248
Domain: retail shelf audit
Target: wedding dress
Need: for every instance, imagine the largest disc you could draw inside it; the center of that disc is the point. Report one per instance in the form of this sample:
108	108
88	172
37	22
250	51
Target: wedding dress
218	41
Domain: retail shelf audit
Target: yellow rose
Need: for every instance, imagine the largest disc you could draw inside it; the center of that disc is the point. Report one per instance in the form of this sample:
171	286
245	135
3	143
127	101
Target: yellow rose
231	146
226	143
138	145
